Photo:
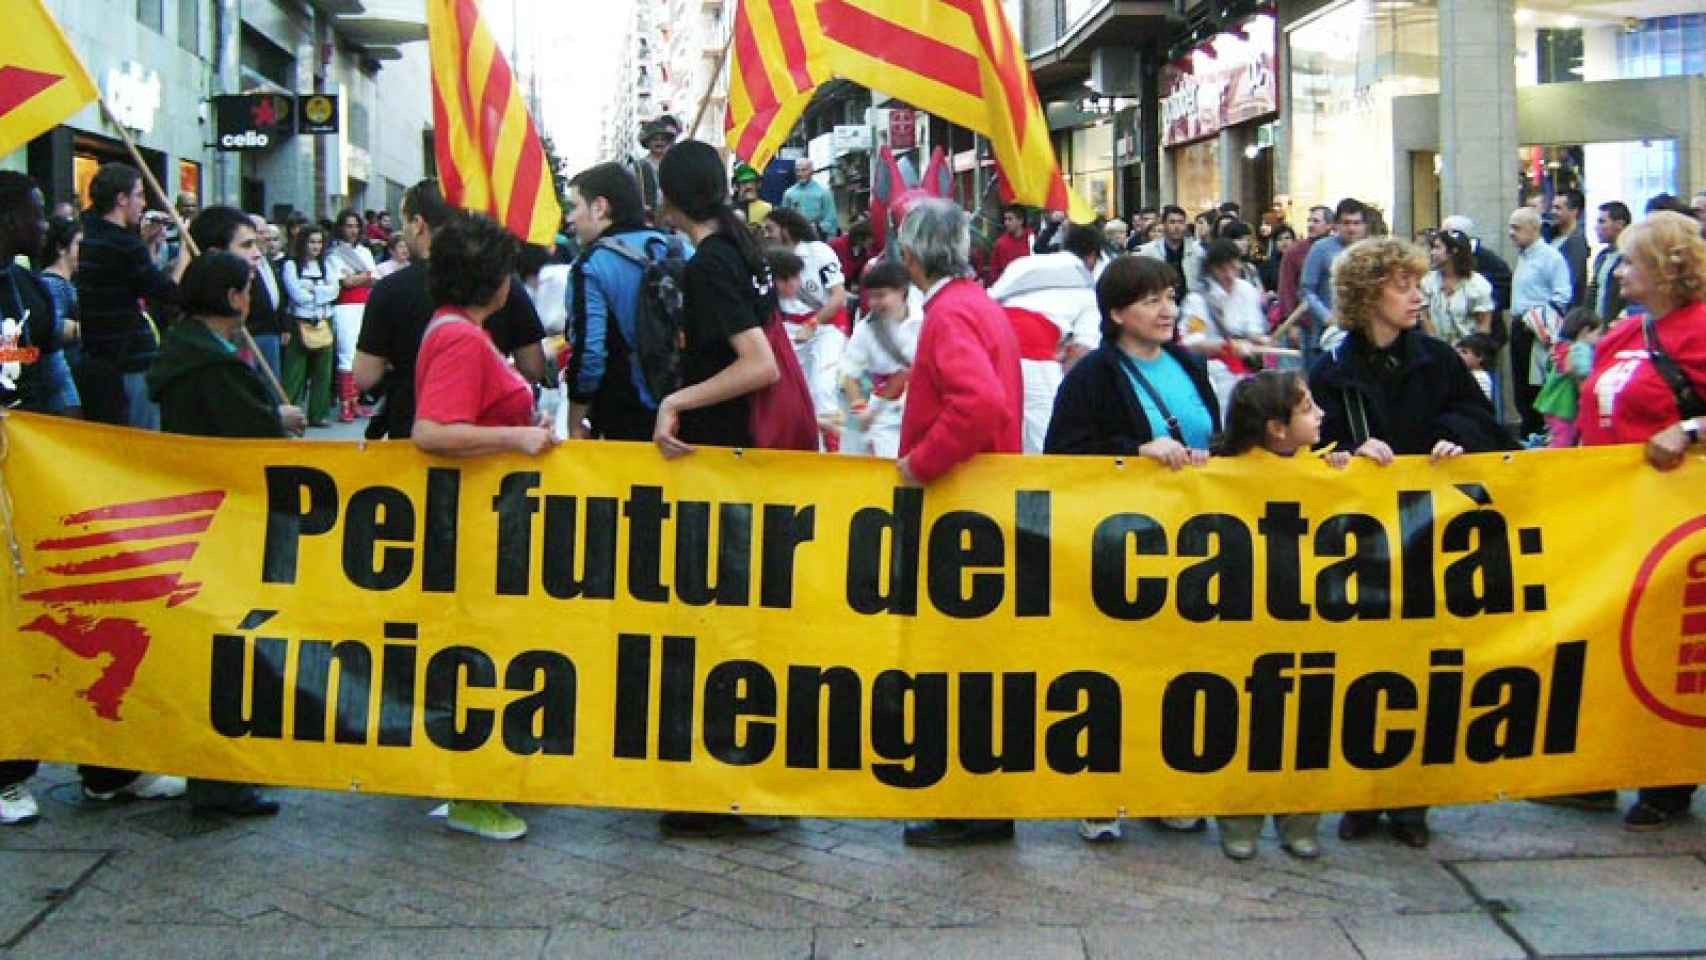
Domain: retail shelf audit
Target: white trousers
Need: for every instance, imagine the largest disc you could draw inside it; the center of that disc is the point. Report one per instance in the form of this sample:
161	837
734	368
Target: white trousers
346	326
1042	381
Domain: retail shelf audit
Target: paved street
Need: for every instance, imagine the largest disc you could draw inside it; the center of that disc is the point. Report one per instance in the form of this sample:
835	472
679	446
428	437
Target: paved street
346	876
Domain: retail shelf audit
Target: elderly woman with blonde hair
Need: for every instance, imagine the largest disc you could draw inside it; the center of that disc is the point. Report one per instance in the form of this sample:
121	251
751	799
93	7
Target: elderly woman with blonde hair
1388	389
1647	387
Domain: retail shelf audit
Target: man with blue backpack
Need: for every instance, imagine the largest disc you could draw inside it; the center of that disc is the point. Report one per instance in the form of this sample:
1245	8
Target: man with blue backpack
624	308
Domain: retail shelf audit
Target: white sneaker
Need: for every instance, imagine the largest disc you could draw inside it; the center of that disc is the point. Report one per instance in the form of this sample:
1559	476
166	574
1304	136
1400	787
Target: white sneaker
1183	824
1099	831
17	805
146	786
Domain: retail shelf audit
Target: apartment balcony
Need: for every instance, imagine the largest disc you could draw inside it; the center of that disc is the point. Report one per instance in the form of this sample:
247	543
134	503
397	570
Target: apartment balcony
379	27
1059	52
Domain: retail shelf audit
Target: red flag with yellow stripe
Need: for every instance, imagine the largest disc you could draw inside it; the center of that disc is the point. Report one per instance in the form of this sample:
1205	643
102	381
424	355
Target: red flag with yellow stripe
42	81
956	59
490	158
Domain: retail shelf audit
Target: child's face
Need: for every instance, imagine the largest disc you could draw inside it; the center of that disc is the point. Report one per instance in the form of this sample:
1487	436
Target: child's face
1300	432
789	288
885	302
1590	336
1470	358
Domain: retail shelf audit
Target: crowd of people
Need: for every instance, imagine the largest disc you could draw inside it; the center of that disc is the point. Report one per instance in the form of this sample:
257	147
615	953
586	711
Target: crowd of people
691	316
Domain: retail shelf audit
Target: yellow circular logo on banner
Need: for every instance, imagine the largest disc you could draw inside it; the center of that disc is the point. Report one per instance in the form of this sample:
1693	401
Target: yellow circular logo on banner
318	110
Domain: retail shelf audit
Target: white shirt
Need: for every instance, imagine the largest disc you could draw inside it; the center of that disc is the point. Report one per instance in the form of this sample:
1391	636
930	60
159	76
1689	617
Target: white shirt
1057	286
821	275
1453	314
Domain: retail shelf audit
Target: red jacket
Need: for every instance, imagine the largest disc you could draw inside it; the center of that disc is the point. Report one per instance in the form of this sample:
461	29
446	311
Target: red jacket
966	395
1008	248
1290	276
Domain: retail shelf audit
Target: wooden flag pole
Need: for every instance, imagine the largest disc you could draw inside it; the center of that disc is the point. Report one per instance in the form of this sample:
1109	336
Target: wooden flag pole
189	243
705	101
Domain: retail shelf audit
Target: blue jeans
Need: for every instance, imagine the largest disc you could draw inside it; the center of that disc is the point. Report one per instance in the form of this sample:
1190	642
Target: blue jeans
144	413
267	344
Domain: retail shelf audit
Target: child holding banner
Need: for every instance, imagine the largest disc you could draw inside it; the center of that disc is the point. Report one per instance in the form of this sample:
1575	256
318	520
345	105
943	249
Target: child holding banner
1272	411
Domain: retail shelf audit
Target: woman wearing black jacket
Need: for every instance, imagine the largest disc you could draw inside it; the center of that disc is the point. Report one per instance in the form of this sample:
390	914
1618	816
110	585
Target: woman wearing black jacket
1388	389
1104	408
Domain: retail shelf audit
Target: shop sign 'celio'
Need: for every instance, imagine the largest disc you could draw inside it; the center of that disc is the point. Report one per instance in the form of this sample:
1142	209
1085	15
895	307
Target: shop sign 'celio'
260	121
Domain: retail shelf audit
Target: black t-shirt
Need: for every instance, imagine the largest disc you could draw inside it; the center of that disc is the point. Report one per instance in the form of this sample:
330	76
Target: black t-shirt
396	319
22	296
722	298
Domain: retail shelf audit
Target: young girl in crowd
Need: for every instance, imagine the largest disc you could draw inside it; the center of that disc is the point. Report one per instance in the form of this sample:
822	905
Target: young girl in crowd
1478	351
875	366
1272	411
1572	362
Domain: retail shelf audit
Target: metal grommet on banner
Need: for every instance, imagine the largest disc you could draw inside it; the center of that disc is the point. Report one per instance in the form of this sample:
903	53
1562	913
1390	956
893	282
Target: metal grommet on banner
1119	463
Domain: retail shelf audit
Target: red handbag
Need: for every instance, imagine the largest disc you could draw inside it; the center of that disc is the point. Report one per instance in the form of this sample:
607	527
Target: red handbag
782	416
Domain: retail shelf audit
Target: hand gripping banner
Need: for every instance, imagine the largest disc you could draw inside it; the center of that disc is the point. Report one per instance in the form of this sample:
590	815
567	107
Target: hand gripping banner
798	634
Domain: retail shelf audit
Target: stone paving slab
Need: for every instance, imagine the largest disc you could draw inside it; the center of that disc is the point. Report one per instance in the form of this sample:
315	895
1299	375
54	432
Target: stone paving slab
87	941
1264	940
344	872
1434	936
986	943
1597	906
32	882
720	945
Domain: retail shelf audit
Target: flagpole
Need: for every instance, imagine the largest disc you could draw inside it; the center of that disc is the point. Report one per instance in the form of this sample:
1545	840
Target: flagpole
705	101
189	242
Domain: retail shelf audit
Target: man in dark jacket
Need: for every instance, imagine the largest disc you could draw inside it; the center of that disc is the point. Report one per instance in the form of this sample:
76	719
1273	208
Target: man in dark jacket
115	274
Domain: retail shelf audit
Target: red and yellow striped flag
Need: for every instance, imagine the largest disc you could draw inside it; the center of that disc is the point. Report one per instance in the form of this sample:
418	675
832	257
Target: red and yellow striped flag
41	79
956	59
490	158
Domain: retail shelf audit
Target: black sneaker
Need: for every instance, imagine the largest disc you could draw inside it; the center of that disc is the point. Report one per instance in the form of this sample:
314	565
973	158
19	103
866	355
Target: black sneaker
709	826
957	833
1599	801
1644	817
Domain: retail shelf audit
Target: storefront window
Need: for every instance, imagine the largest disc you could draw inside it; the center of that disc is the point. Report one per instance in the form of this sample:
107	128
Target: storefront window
189	177
1347	66
1196	172
1599	42
1093	166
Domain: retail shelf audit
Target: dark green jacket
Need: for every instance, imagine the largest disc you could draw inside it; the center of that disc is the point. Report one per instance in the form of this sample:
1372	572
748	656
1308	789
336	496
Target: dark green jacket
205	390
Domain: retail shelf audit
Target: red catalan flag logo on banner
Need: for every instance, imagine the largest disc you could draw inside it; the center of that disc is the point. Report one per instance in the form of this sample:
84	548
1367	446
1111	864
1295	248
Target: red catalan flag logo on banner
125	553
490	157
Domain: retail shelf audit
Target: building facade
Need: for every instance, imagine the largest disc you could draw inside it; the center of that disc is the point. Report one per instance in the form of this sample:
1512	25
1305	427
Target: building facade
673	60
1475	106
160	62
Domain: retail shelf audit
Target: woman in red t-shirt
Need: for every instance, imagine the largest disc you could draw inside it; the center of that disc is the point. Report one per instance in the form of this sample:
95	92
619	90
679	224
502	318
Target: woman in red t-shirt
469	401
1627	398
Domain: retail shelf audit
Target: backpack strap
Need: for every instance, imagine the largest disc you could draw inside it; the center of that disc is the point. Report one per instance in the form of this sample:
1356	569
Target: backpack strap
1688	401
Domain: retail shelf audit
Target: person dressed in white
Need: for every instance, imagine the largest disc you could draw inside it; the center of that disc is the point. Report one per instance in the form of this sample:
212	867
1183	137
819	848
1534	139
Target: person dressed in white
350	265
1051	300
814	315
878	361
1223	319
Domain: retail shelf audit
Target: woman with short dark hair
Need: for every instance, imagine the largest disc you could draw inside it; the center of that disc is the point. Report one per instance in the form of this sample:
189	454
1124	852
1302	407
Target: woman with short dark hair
469	401
1139	393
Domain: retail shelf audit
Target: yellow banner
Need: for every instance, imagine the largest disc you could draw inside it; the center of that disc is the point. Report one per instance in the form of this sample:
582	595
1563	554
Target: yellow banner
786	633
